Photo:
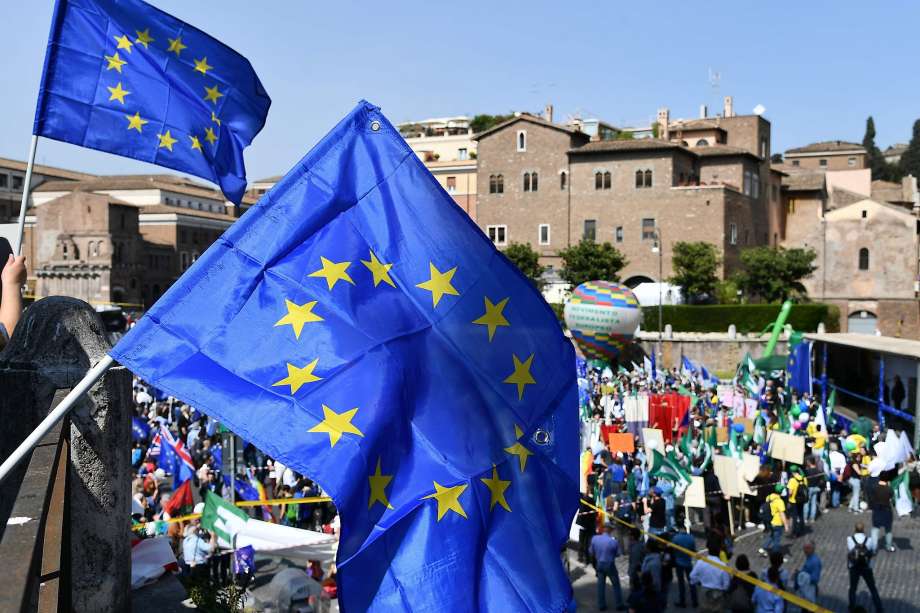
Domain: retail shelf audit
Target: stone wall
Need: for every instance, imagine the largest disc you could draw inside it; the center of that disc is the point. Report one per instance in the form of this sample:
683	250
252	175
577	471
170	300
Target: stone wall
716	351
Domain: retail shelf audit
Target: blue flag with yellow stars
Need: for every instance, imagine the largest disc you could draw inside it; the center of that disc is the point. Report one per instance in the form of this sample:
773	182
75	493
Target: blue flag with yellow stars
124	77
358	326
799	367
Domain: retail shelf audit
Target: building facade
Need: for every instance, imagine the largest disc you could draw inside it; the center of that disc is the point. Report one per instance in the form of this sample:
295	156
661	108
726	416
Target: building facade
828	155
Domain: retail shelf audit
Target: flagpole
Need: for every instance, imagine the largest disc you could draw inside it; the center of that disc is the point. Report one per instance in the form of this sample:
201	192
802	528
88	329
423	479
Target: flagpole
24	448
26	192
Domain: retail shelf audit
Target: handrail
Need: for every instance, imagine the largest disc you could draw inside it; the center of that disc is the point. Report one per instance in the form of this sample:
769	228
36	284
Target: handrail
32	543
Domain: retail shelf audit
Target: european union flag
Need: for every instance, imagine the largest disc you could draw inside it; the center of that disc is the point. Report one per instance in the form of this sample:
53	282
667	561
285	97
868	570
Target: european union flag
799	367
124	77
358	326
140	430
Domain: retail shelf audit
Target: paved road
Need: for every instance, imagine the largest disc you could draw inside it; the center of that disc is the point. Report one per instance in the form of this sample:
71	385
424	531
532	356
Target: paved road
896	574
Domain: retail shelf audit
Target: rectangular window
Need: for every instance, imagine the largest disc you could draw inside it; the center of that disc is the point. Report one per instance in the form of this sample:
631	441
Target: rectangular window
17	182
822	162
618	234
795	162
851	161
756	185
747	183
544	234
498	234
590	230
732	234
451	185
648	229
463	154
4	181
183	259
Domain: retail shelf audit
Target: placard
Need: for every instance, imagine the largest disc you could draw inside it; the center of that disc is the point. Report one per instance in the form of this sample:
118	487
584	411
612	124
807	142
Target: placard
726	469
747	471
649	434
747	422
721	435
695	494
623	442
787	447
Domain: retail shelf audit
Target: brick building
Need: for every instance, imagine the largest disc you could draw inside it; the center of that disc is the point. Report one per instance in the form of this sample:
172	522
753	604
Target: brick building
828	155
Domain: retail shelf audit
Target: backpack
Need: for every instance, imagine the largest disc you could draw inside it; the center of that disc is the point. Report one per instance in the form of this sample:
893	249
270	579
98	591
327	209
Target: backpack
625	512
859	556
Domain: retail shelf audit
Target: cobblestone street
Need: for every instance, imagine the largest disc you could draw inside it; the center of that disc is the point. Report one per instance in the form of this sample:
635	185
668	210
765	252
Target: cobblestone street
896	574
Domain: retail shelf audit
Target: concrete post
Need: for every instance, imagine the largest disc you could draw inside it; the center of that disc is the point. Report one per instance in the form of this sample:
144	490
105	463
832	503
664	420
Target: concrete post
53	346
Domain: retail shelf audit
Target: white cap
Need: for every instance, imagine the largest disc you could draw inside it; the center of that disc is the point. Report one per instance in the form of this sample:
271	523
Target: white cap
199	508
160	474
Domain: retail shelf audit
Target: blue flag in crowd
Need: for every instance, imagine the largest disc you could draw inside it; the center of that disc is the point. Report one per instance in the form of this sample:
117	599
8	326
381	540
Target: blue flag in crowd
688	365
244	560
705	374
359	327
124	77
217	452
140	429
174	458
799	367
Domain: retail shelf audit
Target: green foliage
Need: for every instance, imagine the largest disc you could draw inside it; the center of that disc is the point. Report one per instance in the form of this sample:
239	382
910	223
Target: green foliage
776	158
210	598
881	170
910	159
727	292
746	317
559	310
655	128
483	122
590	261
695	265
625	136
774	274
527	261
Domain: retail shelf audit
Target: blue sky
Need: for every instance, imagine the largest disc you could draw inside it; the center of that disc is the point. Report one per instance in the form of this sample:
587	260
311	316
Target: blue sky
819	67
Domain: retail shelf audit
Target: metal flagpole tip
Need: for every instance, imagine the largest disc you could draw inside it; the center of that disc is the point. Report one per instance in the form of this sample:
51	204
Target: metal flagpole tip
375	126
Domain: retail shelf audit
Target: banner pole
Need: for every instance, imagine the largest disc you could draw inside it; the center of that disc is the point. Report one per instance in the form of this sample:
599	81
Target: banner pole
24	448
26	192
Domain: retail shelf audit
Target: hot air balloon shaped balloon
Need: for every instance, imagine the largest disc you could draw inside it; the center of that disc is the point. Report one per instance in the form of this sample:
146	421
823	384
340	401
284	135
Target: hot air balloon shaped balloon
602	317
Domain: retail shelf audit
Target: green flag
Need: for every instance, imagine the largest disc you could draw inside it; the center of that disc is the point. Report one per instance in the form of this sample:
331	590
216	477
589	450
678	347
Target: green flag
668	469
222	518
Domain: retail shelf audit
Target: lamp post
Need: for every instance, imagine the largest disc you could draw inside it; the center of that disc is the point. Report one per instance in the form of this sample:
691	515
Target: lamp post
658	248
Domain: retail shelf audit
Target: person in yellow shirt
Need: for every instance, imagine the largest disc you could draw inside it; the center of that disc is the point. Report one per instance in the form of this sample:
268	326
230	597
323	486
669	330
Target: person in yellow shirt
778	521
798	494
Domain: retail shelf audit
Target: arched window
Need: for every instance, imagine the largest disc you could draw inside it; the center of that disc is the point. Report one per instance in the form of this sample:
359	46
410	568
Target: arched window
533	181
702	143
648	178
522	140
598	180
499	184
64	250
607	179
493	184
639	179
526	181
563	180
864	259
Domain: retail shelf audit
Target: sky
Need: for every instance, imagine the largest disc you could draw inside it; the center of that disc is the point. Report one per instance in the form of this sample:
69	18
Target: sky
819	67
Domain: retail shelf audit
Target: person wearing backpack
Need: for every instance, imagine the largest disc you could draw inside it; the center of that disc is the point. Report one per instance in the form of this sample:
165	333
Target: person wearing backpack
798	488
778	522
860	551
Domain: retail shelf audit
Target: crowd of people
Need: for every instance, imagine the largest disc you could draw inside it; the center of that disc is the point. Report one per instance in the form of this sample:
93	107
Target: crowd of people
179	456
642	491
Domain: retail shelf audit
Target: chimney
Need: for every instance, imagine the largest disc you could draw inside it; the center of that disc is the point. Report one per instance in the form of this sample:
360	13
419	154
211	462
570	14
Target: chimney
728	108
663	121
909	187
548	113
704	112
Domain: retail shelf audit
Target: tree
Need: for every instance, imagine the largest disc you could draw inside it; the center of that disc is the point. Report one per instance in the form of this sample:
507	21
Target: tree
774	274
695	266
881	170
483	122
776	158
527	261
590	261
910	159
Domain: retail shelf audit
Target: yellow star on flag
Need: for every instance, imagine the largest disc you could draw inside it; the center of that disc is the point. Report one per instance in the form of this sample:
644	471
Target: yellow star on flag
497	489
298	315
333	272
214	118
521	375
117	93
448	499
123	42
213	94
439	284
175	46
166	140
135	122
493	317
196	144
202	66
379	483
380	270
518	449
143	38
115	62
297	377
210	136
336	424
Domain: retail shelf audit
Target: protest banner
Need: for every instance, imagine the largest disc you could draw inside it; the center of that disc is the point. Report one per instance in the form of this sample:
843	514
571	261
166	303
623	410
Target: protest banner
653	434
746	422
747	470
695	494
726	470
787	447
621	442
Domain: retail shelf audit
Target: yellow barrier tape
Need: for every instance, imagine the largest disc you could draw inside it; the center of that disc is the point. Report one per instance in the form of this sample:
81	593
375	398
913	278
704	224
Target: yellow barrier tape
241	503
796	600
